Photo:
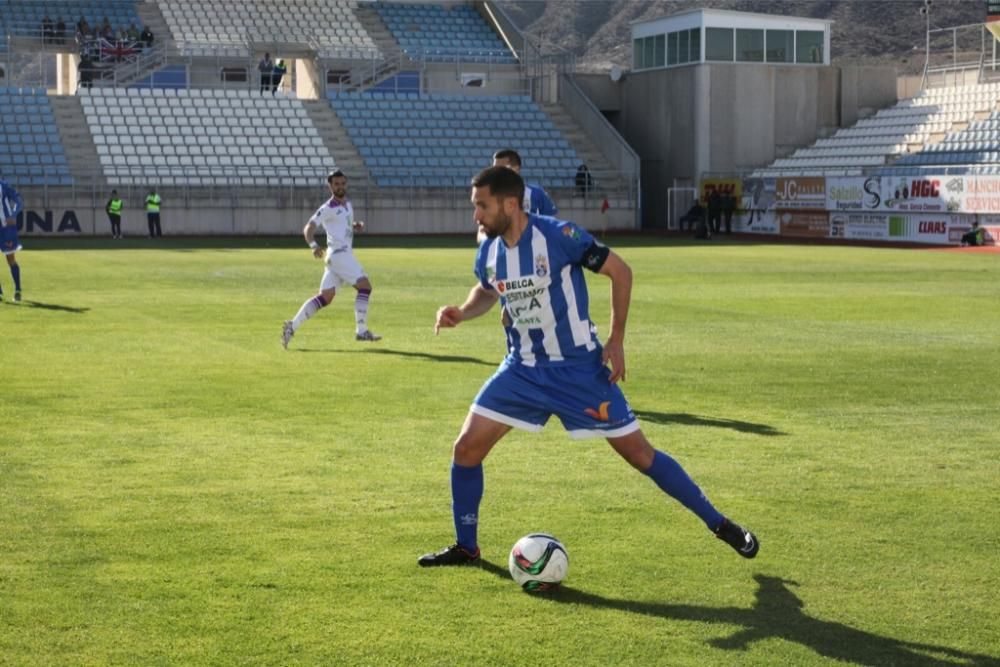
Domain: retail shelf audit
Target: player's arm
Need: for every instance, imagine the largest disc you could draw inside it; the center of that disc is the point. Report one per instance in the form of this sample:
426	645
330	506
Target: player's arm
309	232
479	301
618	271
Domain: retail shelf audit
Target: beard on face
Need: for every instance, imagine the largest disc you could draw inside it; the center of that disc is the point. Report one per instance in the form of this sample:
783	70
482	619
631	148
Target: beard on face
500	225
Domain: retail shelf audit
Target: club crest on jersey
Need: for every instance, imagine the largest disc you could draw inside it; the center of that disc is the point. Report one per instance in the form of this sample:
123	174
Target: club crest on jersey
541	266
572	232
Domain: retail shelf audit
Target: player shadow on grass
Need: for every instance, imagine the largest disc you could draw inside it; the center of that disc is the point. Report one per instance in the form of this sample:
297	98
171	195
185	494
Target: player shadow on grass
449	358
777	614
48	306
686	419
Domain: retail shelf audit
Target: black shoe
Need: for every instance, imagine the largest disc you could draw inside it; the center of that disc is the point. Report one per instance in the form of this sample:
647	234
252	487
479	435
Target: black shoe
745	542
453	555
17	296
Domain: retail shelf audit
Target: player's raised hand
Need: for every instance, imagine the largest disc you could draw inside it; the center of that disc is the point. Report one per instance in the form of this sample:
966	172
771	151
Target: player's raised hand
447	317
318	252
614	356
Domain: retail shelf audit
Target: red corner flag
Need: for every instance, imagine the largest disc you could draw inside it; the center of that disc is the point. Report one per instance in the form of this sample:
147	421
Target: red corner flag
605	205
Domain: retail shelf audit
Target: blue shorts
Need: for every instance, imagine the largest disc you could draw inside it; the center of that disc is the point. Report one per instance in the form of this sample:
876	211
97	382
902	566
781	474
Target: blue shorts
583	398
8	239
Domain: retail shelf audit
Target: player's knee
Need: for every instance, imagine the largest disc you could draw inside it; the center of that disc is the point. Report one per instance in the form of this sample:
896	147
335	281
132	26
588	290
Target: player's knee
635	449
467	452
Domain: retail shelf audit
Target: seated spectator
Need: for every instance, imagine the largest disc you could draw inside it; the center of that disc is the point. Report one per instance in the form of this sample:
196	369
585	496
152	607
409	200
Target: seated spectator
974	236
694	216
132	33
584	182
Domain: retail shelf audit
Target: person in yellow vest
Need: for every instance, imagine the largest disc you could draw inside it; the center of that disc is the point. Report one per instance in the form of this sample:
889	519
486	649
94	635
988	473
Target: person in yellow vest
153	213
114	209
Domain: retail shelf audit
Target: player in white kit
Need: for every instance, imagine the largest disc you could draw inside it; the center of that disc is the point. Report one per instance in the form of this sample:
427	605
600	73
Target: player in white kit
336	217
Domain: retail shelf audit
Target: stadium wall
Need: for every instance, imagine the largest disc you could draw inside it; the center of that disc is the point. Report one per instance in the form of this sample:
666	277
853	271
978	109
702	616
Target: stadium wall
429	214
688	121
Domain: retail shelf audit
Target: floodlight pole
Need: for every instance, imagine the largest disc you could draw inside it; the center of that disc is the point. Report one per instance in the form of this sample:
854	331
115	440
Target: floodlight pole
926	11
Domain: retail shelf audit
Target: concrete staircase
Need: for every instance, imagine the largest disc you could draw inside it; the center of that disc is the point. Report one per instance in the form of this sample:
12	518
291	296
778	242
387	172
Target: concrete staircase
377	30
589	153
78	142
335	139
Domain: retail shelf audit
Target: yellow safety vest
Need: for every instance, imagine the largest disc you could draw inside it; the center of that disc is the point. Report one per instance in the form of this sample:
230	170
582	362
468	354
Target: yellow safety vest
115	206
153	203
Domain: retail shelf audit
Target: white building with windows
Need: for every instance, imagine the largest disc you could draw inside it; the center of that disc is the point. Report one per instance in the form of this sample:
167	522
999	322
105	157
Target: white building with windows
720	36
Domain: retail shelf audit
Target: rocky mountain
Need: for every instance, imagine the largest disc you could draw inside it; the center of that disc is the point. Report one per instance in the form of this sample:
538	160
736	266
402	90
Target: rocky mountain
870	31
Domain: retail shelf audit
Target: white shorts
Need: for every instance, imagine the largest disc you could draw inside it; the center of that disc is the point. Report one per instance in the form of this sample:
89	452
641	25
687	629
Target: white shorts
341	269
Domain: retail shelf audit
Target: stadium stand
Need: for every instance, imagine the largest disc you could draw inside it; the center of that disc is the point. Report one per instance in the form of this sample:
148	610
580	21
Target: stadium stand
437	33
202	25
438	140
30	149
203	137
939	127
25	16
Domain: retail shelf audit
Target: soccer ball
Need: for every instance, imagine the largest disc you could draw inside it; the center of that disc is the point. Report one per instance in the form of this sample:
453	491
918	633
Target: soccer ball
538	562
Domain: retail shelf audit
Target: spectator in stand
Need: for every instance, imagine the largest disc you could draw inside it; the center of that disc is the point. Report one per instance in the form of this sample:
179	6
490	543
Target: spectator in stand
146	37
60	34
85	71
106	31
279	71
47	30
974	236
132	33
584	182
266	68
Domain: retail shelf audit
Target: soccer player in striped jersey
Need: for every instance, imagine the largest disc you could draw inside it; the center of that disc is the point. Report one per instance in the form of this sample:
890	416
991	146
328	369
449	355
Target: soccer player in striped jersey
336	217
555	362
11	203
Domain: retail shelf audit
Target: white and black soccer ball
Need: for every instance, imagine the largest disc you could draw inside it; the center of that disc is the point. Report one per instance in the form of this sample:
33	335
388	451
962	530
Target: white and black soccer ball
538	562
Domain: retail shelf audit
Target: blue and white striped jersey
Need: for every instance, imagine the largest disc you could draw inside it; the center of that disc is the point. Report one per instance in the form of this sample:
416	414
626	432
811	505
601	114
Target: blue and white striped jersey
542	289
10	200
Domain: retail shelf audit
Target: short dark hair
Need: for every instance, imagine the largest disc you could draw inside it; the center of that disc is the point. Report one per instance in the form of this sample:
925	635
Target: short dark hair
508	154
501	181
336	173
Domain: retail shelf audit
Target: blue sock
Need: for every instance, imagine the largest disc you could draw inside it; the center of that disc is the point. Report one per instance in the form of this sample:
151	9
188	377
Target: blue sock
15	272
466	492
671	478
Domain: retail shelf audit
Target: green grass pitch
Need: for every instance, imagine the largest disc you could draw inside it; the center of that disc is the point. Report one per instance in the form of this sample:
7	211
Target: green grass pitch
176	489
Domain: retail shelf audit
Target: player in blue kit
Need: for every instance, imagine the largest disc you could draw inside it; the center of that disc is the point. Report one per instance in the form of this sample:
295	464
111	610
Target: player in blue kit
536	199
555	363
11	203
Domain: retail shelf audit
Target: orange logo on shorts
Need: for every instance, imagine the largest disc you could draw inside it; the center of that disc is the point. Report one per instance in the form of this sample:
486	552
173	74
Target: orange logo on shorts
601	413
